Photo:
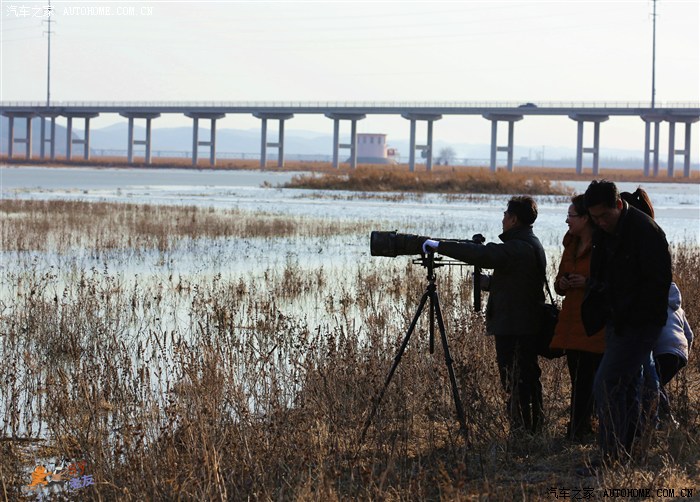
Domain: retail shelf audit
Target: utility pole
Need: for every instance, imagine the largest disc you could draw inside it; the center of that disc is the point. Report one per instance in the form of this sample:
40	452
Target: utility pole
653	59
49	14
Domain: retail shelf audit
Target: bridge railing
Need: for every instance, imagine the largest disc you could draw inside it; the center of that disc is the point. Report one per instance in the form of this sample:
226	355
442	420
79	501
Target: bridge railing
358	104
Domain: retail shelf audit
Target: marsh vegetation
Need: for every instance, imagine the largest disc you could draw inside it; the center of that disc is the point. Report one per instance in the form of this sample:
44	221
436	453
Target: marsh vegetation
132	337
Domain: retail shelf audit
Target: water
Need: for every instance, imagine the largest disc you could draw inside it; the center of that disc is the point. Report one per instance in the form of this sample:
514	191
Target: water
677	205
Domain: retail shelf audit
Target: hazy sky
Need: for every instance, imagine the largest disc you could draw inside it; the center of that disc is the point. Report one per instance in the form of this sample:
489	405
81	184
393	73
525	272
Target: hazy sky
514	51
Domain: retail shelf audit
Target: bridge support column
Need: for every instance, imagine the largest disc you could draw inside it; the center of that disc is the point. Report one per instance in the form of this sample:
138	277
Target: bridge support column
352	146
427	148
502	117
69	133
672	152
11	135
196	143
648	120
672	119
51	140
264	116
130	138
11	139
581	118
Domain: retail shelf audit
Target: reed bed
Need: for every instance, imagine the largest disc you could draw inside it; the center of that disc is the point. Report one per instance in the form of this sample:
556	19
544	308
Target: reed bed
257	384
473	181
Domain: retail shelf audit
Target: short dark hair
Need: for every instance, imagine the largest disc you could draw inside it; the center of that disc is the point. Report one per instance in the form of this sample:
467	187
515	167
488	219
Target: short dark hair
524	208
601	192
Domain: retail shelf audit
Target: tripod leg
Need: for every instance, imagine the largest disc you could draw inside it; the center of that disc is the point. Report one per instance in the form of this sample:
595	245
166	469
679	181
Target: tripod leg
448	361
397	359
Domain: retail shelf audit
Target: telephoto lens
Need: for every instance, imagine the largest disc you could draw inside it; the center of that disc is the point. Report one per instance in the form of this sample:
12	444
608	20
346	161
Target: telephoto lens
394	244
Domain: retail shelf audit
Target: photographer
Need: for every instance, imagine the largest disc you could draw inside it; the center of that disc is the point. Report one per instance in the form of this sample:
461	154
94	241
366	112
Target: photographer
513	311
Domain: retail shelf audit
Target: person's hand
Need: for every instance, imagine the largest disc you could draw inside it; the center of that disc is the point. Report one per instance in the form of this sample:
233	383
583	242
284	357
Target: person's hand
484	281
572	281
430	246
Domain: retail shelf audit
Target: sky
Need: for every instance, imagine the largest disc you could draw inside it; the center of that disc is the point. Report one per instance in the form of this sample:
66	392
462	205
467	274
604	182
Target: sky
355	51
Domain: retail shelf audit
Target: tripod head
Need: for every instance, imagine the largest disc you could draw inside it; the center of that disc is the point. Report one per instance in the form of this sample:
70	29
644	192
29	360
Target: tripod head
430	262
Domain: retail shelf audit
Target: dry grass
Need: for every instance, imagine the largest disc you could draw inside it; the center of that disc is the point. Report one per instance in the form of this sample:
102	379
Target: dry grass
220	388
479	181
60	225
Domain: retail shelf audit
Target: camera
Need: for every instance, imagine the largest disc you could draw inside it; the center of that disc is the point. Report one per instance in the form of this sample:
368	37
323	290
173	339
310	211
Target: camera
394	244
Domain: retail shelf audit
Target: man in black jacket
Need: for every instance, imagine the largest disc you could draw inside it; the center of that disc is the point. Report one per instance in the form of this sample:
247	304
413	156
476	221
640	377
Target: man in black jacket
628	295
514	308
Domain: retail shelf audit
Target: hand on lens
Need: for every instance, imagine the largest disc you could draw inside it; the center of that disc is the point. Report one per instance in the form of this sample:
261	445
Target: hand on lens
430	246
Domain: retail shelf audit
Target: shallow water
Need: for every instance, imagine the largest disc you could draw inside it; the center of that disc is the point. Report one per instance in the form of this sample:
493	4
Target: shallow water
677	205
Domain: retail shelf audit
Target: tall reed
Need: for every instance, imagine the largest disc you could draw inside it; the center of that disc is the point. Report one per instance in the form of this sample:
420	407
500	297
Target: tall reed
255	383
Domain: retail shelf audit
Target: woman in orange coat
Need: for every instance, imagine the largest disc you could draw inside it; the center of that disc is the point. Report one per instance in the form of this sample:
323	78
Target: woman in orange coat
583	353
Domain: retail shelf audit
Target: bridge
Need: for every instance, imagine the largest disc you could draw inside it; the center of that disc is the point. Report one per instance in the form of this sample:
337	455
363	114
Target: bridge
584	113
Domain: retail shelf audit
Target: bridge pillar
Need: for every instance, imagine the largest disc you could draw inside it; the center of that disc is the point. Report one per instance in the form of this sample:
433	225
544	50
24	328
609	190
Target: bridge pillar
264	116
352	146
672	152
195	116
11	140
495	118
51	140
649	119
69	133
672	119
146	141
427	149
581	118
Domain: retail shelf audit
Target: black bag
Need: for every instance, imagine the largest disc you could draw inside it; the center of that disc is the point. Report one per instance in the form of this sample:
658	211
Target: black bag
550	316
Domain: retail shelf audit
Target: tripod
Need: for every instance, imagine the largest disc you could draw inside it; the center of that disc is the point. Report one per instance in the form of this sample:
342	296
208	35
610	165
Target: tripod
427	261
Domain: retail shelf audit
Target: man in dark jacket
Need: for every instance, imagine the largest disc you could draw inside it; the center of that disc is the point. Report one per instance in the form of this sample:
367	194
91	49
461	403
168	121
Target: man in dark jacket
628	295
514	308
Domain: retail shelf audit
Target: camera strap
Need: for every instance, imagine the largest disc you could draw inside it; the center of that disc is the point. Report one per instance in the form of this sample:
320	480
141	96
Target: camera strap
543	273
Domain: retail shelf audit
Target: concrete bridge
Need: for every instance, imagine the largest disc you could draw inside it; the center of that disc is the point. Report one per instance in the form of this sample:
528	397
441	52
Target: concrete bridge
584	113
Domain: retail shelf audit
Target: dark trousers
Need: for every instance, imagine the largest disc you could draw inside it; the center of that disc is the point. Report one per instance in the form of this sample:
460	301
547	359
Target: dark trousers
618	387
667	366
520	378
582	369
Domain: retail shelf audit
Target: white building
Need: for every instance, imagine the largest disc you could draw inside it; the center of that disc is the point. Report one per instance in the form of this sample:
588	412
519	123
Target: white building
373	149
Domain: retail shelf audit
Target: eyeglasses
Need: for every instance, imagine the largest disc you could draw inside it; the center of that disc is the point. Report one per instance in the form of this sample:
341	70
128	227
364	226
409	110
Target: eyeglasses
569	216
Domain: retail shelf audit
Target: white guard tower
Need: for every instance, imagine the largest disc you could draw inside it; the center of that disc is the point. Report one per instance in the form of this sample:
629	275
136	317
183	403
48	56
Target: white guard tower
372	149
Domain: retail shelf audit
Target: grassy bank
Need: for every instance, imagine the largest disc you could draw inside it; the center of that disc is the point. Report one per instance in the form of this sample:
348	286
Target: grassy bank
201	386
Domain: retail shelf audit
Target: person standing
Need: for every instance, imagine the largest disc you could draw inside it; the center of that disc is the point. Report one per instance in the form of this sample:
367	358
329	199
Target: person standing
515	303
583	353
671	351
628	295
